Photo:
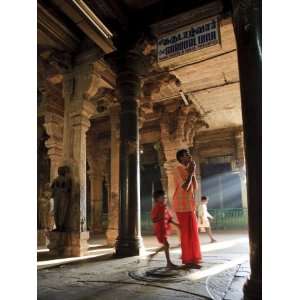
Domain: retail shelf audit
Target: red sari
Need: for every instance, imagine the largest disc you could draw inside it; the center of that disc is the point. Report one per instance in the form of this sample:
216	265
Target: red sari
161	228
190	245
184	204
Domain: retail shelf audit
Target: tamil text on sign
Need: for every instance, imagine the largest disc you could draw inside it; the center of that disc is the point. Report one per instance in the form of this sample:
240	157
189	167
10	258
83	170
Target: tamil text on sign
187	39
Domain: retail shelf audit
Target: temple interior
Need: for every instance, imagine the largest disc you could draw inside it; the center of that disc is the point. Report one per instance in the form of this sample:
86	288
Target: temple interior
122	86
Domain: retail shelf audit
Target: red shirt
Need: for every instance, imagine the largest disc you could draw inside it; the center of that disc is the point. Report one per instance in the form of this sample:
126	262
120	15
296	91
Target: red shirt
162	227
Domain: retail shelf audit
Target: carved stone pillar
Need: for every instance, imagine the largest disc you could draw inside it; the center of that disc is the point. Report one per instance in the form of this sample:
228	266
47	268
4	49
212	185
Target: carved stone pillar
161	161
178	126
107	177
68	86
79	109
129	241
96	201
169	171
240	164
51	111
197	159
114	186
247	26
80	114
54	127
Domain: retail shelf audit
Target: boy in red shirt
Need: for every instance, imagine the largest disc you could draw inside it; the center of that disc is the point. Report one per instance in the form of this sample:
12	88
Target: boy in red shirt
162	218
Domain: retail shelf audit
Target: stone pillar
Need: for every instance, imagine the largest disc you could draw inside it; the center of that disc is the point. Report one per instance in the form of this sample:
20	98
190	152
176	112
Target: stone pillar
177	132
68	86
247	26
169	171
53	124
73	242
54	128
98	151
129	241
197	159
114	186
96	201
240	164
161	161
107	177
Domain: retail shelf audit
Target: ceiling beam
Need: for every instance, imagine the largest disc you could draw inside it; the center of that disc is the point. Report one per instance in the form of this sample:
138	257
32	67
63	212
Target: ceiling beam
52	28
80	13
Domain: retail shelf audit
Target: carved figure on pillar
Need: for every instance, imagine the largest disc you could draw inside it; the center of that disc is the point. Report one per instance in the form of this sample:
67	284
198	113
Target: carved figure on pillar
61	192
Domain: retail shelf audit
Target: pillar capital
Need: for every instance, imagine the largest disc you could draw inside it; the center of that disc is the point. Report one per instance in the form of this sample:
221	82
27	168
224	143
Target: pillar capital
80	113
82	81
153	85
88	81
170	164
53	125
178	128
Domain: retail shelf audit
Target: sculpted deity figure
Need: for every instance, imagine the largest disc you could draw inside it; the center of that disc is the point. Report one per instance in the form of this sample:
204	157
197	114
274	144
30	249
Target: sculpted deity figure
61	193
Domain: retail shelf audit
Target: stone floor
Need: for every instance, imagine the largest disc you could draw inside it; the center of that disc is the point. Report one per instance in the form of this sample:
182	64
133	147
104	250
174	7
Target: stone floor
224	270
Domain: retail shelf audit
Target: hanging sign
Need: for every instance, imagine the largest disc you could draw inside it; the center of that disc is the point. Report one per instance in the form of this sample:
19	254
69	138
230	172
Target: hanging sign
191	38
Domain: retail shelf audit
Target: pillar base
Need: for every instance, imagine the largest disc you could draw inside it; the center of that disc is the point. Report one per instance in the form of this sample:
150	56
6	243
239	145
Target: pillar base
253	290
68	244
42	239
129	247
111	237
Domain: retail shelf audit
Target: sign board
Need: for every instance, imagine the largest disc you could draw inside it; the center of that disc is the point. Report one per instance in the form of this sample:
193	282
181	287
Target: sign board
190	38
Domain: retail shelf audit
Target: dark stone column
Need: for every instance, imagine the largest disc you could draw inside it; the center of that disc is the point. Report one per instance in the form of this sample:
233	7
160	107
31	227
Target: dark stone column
247	25
129	241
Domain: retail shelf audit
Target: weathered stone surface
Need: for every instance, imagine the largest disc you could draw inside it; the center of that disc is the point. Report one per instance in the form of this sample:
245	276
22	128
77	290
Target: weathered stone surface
67	244
134	278
114	197
42	237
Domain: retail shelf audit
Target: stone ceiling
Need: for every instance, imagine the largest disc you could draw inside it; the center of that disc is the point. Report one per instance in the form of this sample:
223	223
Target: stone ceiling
208	78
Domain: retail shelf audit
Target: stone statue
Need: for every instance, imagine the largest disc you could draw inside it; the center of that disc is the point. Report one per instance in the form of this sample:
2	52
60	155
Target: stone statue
44	207
61	193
